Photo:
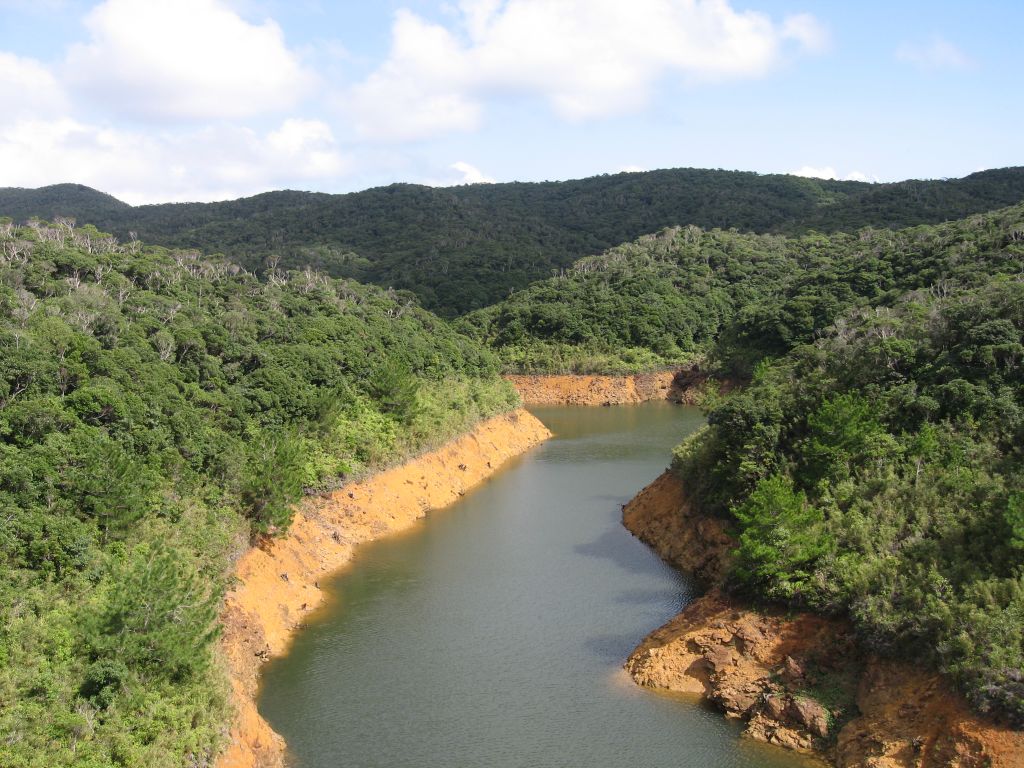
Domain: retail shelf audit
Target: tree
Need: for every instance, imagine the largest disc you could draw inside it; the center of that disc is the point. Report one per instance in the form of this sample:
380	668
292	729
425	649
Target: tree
781	537
159	616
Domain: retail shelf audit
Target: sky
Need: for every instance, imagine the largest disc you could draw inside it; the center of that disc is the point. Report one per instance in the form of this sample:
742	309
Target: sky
202	100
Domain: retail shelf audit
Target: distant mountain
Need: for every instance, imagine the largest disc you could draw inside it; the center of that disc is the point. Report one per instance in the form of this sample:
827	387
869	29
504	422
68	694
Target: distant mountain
461	248
72	200
733	298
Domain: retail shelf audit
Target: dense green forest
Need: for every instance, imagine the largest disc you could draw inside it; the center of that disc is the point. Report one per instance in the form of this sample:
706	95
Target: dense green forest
876	472
729	299
463	248
157	410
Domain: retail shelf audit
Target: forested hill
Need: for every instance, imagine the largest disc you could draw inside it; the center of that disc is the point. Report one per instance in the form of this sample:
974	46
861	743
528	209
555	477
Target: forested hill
876	472
70	200
686	293
155	408
461	248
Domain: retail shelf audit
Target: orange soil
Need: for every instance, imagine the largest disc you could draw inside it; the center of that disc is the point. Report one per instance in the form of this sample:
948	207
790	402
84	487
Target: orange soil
764	666
911	717
593	389
662	517
278	582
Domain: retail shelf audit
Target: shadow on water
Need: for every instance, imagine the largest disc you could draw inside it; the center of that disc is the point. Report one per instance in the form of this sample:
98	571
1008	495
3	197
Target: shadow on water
616	546
612	648
680	596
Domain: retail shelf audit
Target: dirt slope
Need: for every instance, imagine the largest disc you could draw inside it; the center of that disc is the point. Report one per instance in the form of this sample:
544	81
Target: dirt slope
594	390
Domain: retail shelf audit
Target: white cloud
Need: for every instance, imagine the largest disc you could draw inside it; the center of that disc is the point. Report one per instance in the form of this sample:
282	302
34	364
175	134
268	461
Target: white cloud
418	91
214	163
308	147
810	172
471	174
464	173
808	31
828	172
27	88
937	55
187	59
587	58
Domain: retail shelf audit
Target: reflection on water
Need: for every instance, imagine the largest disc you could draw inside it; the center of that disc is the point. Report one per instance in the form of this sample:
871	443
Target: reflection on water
493	634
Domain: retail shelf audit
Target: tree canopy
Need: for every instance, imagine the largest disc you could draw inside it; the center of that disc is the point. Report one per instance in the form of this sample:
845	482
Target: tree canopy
463	248
157	409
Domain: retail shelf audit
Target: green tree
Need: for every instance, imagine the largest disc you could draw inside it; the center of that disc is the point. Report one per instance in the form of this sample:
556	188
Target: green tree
159	616
273	481
781	538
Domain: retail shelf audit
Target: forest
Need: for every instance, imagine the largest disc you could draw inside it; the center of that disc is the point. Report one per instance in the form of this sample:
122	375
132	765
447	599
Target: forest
875	472
464	248
158	410
726	299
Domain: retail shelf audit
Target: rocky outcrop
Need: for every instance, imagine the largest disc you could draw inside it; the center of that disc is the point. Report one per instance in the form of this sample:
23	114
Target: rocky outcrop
797	679
912	717
278	582
662	517
767	669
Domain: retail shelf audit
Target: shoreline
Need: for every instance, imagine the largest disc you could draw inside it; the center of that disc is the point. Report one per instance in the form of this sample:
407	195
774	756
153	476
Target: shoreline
600	389
799	680
278	579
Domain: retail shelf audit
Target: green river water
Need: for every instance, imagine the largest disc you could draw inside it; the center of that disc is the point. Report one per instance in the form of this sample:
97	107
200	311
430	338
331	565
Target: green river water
493	634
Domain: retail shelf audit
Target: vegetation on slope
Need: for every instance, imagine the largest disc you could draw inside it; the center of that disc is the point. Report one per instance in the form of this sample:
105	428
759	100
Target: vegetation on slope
156	409
873	466
876	472
687	294
463	248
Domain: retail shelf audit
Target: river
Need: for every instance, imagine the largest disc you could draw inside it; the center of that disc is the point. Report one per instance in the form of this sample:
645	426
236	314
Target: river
493	633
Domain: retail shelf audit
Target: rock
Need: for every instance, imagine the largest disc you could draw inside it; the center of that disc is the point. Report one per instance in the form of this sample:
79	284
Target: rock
750	635
737	701
719	657
792	672
812	715
775	707
790	739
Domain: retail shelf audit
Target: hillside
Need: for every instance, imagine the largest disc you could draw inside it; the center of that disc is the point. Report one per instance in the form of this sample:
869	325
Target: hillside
462	248
157	409
875	473
687	293
74	200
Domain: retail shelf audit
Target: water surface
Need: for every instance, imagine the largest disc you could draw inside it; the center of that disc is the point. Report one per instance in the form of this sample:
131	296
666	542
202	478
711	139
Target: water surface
493	634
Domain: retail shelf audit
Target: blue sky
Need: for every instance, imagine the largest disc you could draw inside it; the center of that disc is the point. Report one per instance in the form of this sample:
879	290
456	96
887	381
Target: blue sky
215	99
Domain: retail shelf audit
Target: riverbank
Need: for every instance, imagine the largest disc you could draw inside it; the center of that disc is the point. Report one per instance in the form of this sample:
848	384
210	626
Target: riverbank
279	581
685	387
797	680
